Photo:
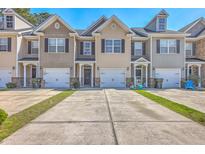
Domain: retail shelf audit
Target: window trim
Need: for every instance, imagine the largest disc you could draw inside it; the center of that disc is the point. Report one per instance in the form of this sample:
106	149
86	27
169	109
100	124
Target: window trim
113	46
141	48
34	48
56	45
7	45
168	46
90	48
191	48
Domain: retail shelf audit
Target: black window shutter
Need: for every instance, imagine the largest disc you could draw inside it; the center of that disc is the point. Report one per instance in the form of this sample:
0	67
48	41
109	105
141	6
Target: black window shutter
194	48
123	46
132	48
93	48
29	47
46	44
143	48
178	46
158	46
9	44
103	45
81	48
66	45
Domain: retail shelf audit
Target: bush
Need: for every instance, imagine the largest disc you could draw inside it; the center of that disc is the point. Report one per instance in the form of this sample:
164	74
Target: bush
11	85
76	84
3	116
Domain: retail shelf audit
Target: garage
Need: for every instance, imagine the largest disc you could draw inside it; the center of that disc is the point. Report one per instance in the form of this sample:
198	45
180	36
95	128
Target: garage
171	77
56	77
5	77
114	78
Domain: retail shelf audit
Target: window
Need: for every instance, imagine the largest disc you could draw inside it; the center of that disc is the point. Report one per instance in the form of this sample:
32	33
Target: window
9	22
34	47
87	48
3	44
161	24
138	49
189	49
113	46
168	46
56	45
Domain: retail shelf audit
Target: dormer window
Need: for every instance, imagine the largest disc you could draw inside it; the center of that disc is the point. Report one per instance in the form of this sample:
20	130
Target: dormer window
9	22
161	24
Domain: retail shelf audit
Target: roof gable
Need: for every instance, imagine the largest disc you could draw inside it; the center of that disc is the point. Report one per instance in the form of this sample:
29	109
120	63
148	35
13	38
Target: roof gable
94	26
51	20
115	19
10	11
192	24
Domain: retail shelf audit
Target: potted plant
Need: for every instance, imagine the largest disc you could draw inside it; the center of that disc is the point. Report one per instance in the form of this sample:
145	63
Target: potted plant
76	84
36	83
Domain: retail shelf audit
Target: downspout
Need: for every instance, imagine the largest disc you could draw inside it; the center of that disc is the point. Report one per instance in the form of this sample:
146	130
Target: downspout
74	52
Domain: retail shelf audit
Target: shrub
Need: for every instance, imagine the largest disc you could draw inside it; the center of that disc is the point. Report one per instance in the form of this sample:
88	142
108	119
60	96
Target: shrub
11	85
76	84
3	116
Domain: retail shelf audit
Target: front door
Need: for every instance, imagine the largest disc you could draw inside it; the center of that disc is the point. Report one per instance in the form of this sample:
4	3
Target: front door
138	76
87	76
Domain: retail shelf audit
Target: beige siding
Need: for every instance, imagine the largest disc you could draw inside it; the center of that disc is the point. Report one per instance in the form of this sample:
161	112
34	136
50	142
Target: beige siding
168	60
8	59
57	60
20	24
104	60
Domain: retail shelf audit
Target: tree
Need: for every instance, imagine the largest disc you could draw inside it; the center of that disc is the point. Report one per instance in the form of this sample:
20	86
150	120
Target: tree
35	18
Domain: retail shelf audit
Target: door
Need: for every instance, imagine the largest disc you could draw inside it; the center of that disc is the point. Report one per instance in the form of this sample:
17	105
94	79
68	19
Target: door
5	77
139	76
171	77
57	77
112	78
87	76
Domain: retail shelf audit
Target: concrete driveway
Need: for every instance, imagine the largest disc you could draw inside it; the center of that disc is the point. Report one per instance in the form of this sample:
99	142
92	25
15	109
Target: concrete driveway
193	99
109	117
15	100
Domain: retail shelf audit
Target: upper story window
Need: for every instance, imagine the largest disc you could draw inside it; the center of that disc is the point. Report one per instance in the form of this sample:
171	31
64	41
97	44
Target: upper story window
161	24
189	48
9	22
138	49
56	45
113	46
3	44
168	46
34	47
87	48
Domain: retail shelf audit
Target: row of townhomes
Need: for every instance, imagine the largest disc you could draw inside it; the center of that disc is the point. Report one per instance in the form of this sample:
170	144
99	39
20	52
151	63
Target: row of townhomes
106	54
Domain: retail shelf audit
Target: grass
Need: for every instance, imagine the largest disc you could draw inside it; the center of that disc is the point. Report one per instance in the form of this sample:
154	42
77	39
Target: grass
4	89
18	120
188	112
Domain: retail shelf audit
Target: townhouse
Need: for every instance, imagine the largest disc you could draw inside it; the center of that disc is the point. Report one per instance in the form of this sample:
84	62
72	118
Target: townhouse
106	54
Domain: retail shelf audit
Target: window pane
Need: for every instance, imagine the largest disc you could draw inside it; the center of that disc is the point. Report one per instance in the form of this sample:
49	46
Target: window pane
117	46
52	42
87	48
3	44
108	46
60	42
51	45
172	46
60	48
163	46
138	49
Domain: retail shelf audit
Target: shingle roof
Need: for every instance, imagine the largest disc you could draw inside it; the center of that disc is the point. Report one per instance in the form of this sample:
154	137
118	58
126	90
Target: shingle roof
183	29
145	32
29	59
194	60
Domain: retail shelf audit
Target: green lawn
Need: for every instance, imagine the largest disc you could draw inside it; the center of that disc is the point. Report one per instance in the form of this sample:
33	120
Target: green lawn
188	112
18	120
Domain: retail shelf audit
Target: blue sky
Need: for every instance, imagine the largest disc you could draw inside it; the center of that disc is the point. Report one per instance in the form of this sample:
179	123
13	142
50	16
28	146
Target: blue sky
80	18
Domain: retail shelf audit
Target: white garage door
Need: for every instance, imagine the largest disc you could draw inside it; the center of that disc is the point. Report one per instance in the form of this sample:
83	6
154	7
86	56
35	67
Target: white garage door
112	78
5	77
171	77
57	77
